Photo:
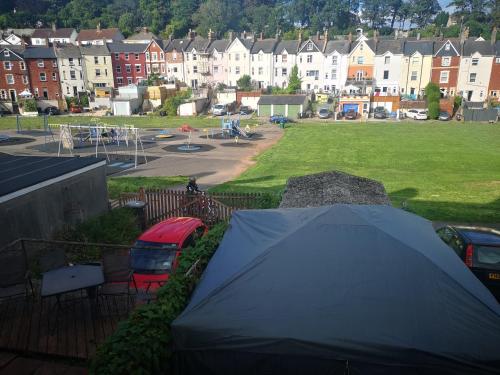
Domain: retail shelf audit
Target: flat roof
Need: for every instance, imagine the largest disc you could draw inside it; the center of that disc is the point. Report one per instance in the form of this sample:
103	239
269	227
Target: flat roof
21	174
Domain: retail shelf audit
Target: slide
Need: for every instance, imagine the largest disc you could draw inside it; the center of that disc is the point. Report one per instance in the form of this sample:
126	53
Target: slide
240	131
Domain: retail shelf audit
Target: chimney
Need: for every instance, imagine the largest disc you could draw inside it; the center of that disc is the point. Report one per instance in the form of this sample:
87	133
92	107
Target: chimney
261	36
191	35
326	40
145	29
54	28
171	37
349	37
99	27
300	37
418	36
441	36
317	35
493	36
396	31
466	33
375	36
244	34
231	36
210	35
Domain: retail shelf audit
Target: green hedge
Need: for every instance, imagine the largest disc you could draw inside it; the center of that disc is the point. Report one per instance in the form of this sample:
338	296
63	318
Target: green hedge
142	344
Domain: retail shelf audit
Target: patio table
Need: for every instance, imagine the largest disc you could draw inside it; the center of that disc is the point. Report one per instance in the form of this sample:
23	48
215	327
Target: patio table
70	279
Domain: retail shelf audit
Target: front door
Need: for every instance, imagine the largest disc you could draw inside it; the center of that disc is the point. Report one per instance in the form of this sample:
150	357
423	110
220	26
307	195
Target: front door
194	83
75	91
13	95
469	95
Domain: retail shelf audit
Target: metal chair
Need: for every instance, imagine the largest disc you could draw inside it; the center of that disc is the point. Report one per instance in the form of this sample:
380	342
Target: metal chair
15	279
118	276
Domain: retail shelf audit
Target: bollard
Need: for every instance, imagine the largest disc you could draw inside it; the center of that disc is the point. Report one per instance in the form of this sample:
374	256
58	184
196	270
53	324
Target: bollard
138	207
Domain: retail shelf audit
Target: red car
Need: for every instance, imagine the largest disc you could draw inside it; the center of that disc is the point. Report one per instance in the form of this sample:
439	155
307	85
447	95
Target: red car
155	253
75	108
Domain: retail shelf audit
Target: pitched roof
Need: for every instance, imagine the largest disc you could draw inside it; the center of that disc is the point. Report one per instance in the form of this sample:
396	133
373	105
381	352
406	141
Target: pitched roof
142	35
424	47
291	46
341	46
95	34
282	99
50	33
220	45
485	48
127	47
248	43
440	48
95	50
318	43
41	33
16	55
68	51
393	46
199	44
177	44
39	53
265	45
497	48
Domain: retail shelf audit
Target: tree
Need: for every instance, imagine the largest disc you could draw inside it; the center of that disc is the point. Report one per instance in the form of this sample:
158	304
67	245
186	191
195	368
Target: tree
218	15
432	95
245	83
423	11
294	83
441	19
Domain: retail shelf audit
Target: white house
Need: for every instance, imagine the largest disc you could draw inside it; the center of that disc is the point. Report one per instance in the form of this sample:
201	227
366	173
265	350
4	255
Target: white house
336	64
196	61
238	57
44	37
475	69
11	40
262	62
218	61
99	37
387	67
174	55
71	70
311	63
285	57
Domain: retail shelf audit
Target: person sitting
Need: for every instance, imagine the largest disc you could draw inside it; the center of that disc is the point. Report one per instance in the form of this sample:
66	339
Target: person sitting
192	187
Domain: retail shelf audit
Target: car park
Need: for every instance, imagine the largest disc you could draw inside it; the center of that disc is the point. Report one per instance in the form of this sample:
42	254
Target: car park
379	113
444	116
155	253
479	249
324	113
351	115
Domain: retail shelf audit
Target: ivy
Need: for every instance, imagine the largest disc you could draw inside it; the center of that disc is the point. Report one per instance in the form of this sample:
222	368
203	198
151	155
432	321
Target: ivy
142	344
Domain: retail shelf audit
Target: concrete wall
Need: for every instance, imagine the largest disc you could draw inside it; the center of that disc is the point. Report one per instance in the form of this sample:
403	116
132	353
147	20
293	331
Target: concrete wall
41	213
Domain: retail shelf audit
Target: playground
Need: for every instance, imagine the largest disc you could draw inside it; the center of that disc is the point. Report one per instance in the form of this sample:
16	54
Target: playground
213	154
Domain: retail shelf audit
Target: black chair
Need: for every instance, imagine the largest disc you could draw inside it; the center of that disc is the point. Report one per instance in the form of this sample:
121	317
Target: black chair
15	279
118	276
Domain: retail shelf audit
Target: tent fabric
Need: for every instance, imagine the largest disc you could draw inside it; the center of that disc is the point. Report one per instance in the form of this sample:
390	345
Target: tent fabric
315	290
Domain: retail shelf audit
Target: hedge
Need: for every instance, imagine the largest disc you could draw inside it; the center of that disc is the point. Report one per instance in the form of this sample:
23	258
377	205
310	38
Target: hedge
142	343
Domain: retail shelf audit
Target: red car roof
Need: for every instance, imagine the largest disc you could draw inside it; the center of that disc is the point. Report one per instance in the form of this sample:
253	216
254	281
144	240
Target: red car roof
172	230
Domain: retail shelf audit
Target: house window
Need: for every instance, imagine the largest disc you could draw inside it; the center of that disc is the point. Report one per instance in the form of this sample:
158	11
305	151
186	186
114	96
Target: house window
443	76
162	56
155	56
98	72
43	77
136	55
309	58
236	57
175	69
446	61
387	60
137	68
386	74
174	56
148	69
105	73
284	58
54	76
6	53
497	60
72	74
117	56
96	60
447	47
67	90
7	65
216	69
22	65
147	56
54	63
40	63
361	60
45	93
475	62
64	75
104	59
334	73
129	81
361	46
194	56
10	79
472	77
261	71
79	61
118	69
415	60
195	69
284	72
119	81
334	60
128	68
237	70
25	80
310	47
414	75
100	84
127	56
253	71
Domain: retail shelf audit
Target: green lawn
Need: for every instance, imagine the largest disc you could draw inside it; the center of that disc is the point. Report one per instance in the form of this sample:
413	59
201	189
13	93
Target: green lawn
444	171
118	185
9	122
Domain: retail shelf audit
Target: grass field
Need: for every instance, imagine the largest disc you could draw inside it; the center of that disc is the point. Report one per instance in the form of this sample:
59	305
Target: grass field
444	171
118	185
28	123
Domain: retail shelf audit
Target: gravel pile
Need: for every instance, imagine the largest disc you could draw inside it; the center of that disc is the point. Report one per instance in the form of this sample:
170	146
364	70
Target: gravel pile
332	187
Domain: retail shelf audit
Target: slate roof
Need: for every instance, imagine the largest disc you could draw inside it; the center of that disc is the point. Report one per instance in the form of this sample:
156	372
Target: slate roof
317	42
497	48
199	44
220	45
20	172
393	46
248	43
127	47
49	33
94	34
282	99
19	32
39	53
143	35
95	50
291	46
425	47
16	50
266	45
485	48
341	46
177	44
68	51
440	49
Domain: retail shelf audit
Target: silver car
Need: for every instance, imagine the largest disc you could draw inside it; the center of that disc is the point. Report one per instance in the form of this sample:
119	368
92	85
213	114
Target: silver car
324	113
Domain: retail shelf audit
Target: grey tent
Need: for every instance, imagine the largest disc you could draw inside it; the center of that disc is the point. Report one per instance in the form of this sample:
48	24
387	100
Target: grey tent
354	289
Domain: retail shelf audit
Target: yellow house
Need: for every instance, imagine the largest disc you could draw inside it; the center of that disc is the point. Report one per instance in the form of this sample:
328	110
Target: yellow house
98	67
416	68
361	63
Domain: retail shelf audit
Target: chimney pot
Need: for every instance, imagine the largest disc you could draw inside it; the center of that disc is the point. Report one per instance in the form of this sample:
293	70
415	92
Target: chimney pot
261	35
244	34
54	28
300	37
349	37
493	36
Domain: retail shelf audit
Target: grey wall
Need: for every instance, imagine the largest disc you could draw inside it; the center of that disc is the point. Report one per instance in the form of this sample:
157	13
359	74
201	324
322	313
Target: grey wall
39	214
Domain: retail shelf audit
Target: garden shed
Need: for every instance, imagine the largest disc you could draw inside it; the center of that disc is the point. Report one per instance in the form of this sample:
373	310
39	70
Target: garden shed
40	195
286	105
347	289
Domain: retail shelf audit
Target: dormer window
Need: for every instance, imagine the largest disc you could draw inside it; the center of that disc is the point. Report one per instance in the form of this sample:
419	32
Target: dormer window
475	61
310	47
6	53
447	47
361	46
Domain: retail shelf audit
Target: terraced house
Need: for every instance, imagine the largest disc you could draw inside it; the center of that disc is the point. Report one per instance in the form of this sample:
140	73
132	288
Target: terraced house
238	58
98	67
416	67
43	71
387	67
196	60
310	61
129	63
14	76
262	61
218	60
174	57
285	58
71	70
361	66
445	65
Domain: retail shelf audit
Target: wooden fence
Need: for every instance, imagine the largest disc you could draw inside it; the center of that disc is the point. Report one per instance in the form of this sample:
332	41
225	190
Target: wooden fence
211	208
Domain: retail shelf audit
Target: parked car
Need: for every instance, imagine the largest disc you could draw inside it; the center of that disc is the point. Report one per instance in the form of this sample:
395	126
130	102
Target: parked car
245	110
276	119
52	111
351	115
417	114
155	253
219	110
324	113
444	116
379	113
74	108
479	248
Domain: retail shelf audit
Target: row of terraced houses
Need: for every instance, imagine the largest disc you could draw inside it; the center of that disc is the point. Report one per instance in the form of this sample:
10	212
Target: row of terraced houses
54	63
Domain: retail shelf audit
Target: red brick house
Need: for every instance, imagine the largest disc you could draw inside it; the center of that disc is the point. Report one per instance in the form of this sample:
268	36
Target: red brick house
445	66
43	72
494	86
155	59
129	62
14	77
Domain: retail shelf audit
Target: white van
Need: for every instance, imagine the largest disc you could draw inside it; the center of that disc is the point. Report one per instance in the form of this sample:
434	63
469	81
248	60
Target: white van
219	109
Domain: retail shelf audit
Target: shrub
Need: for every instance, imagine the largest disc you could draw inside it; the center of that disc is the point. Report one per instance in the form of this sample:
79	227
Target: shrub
433	108
171	104
142	344
30	105
245	83
433	95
